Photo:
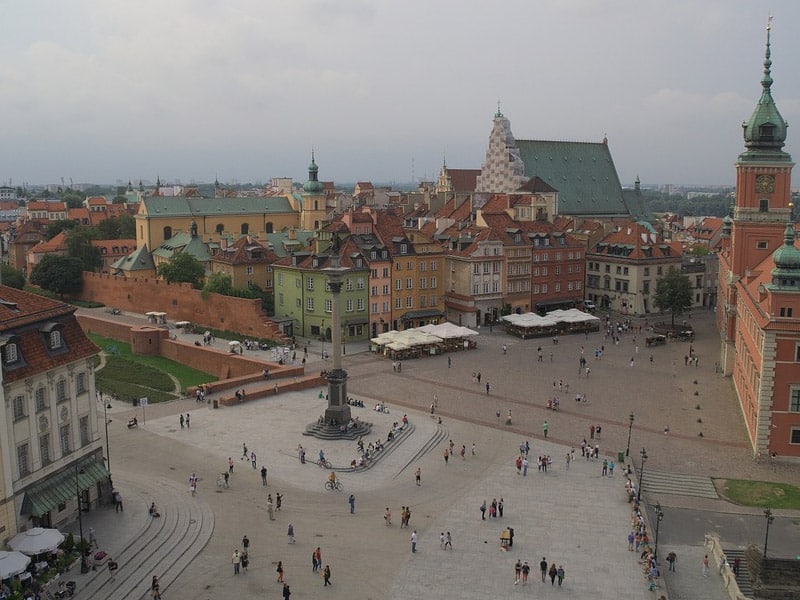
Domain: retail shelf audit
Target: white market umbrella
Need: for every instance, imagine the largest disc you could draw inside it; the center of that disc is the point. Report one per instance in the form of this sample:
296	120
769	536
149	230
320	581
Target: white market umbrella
12	563
36	540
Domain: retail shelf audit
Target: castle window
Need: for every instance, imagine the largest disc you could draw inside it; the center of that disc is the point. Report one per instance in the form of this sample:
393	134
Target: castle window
795	436
219	228
794	399
762	244
245	228
763	205
766	132
10	354
269	227
167	232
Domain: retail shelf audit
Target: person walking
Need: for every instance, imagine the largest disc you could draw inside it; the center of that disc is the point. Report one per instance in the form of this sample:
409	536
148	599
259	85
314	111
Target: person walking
236	559
418	476
517	571
446	455
253	459
483	510
543	568
526	569
525	467
326	576
290	533
279	571
270	508
560	574
352	502
448	541
278	501
230	465
286	591
414	541
187	421
672	558
474	449
92	538
545	428
182	420
553	573
263	475
705	566
314	563
245	543
245	453
155	588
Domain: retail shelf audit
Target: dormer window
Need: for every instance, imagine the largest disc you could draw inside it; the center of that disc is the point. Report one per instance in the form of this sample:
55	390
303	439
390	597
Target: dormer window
315	262
403	248
55	339
766	132
10	353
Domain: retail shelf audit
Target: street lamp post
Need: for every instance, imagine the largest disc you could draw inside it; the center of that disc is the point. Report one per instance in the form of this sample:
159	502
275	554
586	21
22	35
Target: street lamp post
630	428
106	406
84	565
768	516
659	516
643	454
322	331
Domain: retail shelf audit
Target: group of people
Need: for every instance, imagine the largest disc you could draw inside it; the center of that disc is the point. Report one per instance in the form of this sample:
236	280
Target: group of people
522	571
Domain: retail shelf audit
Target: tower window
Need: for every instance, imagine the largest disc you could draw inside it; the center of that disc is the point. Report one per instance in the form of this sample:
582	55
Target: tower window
763	205
762	244
766	132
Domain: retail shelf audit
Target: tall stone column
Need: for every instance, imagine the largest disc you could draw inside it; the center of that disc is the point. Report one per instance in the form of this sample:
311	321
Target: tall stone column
338	410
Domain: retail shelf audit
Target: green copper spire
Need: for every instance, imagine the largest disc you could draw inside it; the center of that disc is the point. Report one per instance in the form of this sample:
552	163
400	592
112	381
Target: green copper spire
765	131
313	185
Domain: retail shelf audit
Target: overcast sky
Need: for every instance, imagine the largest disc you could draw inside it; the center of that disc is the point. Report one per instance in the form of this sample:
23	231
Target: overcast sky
107	90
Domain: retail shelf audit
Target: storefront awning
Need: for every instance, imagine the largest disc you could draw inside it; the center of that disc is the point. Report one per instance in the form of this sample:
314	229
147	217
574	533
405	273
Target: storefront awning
363	321
421	314
47	495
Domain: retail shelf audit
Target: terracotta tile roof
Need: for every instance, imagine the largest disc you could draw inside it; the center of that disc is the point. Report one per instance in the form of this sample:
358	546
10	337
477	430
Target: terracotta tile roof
634	241
96	201
245	251
349	251
463	180
20	312
116	248
58	243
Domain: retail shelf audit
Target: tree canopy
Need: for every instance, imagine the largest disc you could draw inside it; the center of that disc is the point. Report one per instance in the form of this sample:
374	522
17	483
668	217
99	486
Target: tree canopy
73	200
79	245
59	274
11	277
115	228
673	293
218	283
183	268
56	227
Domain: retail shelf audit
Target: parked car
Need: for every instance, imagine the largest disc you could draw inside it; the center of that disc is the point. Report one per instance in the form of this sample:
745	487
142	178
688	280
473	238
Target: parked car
589	306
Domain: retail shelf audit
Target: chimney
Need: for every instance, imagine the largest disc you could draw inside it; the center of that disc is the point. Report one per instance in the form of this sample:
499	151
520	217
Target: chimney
292	234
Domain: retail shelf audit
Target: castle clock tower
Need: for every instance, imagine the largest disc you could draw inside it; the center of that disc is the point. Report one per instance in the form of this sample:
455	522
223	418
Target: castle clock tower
763	183
761	210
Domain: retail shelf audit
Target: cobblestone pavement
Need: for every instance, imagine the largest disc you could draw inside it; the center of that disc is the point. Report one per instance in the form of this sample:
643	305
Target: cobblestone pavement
567	516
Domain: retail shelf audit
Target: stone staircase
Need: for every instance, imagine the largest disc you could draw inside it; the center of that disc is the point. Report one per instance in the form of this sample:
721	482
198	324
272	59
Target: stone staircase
743	580
164	546
272	331
657	482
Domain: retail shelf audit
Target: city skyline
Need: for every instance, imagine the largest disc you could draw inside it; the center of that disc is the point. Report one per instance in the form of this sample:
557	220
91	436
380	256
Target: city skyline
190	91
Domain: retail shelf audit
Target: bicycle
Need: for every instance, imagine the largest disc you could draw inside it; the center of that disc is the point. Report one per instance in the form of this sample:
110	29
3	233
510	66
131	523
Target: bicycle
324	463
222	482
334	485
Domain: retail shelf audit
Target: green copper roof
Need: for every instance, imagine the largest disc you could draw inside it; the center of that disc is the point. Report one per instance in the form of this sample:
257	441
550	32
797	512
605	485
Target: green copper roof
765	131
582	172
313	186
180	206
787	257
183	242
138	260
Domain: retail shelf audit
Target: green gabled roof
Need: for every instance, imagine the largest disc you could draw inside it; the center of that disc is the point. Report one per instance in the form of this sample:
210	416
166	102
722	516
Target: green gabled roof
635	203
180	206
582	172
279	239
183	242
138	260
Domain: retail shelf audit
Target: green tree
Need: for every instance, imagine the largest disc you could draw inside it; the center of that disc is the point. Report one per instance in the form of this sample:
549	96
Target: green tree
218	283
59	274
119	199
116	228
73	200
56	227
183	268
11	277
127	227
673	293
79	245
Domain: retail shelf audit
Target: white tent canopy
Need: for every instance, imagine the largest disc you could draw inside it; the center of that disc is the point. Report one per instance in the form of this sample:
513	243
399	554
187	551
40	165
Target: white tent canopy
572	315
36	540
12	563
447	330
